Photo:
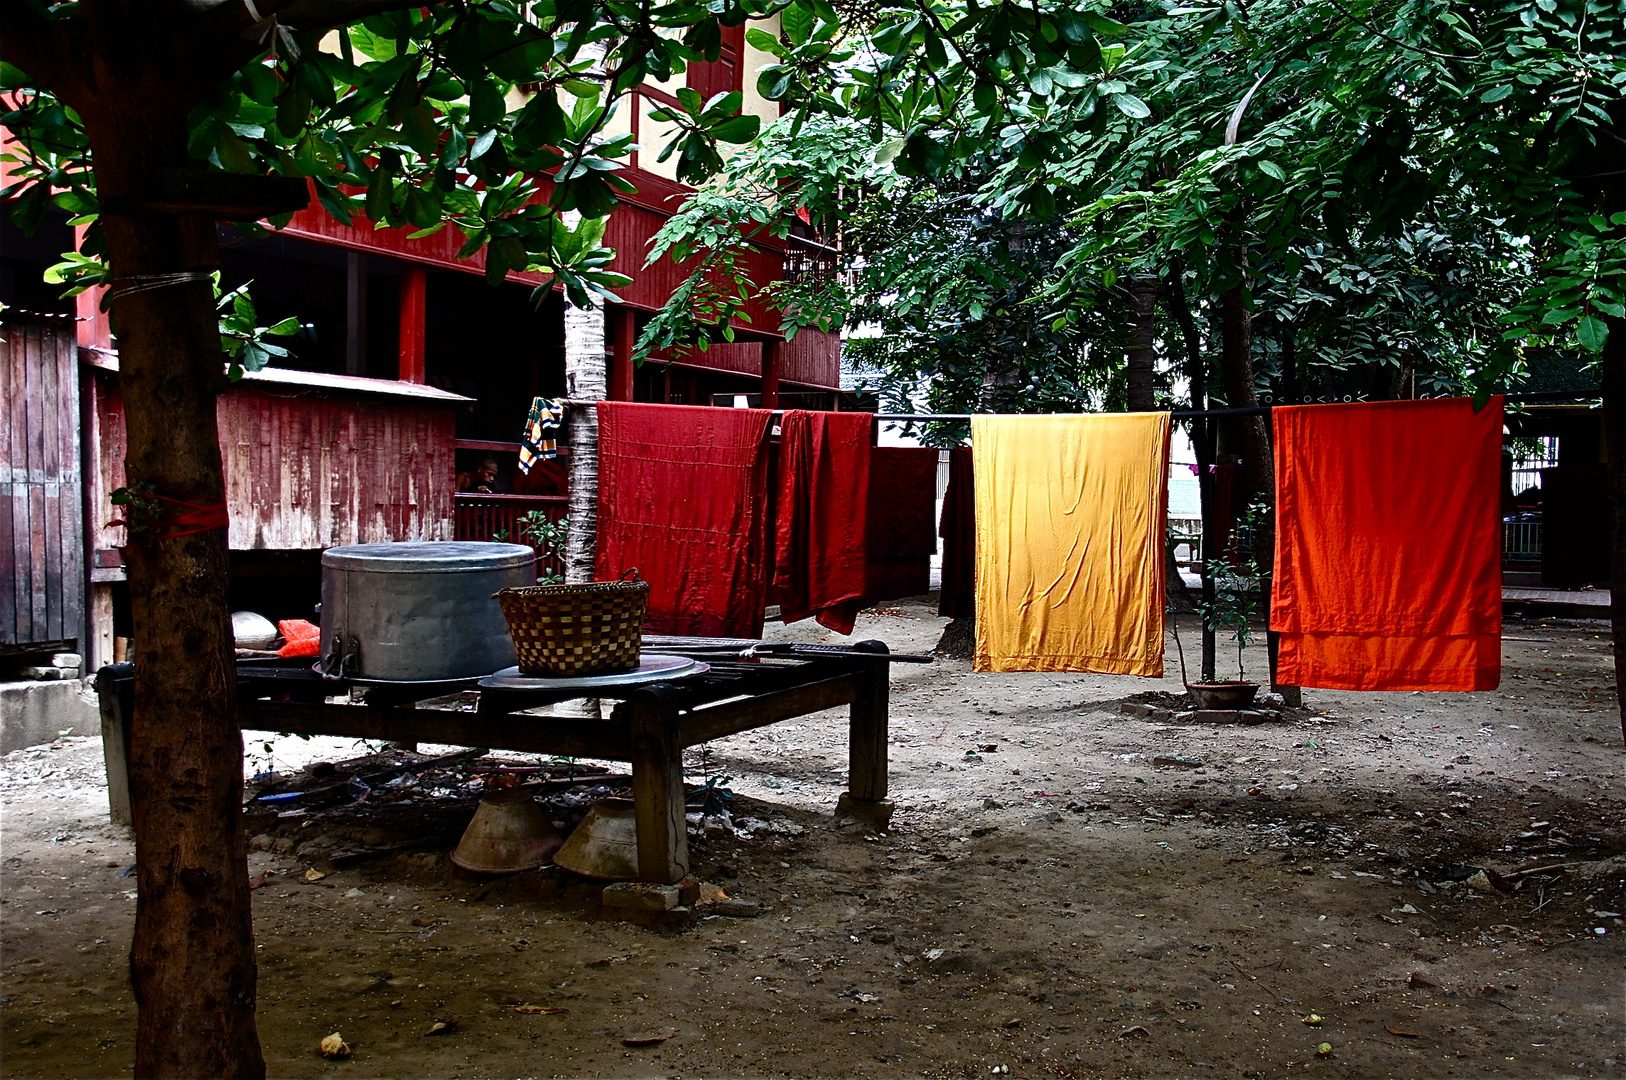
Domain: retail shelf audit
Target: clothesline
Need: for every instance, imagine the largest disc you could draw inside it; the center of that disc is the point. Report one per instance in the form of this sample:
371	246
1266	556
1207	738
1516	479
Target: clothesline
1193	414
1259	410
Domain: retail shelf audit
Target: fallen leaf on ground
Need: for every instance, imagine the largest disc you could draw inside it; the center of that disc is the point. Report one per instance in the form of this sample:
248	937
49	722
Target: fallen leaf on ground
1323	1050
313	874
335	1047
259	879
1136	1030
540	1010
441	1027
1415	979
1397	1031
647	1038
1313	1020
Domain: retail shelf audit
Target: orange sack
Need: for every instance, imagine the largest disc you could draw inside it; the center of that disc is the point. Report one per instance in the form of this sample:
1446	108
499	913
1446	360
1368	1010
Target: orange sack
301	638
1388	546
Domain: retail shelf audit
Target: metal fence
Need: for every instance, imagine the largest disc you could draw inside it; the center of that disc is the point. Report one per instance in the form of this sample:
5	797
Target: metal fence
1521	539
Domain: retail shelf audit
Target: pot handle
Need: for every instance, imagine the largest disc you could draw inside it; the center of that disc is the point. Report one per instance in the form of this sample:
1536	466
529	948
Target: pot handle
631	575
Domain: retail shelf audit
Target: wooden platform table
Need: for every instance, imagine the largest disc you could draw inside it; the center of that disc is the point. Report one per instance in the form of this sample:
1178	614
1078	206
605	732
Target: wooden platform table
650	726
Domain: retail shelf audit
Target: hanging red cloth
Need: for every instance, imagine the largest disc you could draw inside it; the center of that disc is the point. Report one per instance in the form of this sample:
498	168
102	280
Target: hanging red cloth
902	521
821	544
681	497
1226	511
958	528
1388	546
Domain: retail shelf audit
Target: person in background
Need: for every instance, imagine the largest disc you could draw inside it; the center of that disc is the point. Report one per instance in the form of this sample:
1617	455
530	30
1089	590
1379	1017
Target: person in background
482	480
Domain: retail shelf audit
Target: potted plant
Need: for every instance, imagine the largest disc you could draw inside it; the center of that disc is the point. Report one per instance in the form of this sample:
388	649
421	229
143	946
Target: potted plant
1239	583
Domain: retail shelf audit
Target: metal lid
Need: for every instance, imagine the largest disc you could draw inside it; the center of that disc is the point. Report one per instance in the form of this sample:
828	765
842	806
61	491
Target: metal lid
428	557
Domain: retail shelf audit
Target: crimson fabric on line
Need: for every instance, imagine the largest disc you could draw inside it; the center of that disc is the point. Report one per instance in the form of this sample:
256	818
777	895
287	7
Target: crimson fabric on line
902	521
1388	547
958	528
821	544
682	497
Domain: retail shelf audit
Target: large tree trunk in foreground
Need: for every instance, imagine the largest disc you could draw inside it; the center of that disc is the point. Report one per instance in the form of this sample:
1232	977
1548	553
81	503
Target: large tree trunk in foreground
192	959
1614	437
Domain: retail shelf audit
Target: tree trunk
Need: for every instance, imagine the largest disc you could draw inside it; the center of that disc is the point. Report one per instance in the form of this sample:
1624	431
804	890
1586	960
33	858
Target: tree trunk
586	380
1141	354
1613	368
192	960
1236	363
1174	297
1258	472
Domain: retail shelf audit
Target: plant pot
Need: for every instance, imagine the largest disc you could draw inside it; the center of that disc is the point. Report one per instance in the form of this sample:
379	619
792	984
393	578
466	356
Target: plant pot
1223	695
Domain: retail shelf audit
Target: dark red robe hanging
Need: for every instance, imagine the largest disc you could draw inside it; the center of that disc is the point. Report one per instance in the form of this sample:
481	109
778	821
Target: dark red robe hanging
958	529
682	493
822	546
902	521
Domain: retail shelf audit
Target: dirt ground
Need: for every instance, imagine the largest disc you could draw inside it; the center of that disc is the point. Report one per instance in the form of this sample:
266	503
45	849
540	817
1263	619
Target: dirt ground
1065	890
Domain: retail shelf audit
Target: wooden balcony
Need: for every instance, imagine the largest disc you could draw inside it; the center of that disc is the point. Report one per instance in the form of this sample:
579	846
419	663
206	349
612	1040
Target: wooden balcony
497	517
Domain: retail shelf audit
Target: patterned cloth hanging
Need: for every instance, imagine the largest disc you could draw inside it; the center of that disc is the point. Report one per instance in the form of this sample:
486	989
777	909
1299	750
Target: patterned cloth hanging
540	442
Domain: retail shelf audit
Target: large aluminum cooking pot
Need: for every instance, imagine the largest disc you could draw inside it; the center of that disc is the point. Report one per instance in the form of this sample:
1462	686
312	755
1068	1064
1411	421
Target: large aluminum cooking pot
419	611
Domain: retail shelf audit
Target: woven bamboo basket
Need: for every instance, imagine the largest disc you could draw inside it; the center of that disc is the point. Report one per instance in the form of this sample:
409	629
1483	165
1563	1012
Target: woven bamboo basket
572	631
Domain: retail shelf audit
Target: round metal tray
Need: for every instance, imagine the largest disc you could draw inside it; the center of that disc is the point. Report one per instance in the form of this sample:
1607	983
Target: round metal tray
463	681
654	667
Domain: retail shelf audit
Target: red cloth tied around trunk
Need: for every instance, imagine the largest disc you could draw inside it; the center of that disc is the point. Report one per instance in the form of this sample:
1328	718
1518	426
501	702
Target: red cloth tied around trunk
958	529
822	546
1388	547
682	497
902	521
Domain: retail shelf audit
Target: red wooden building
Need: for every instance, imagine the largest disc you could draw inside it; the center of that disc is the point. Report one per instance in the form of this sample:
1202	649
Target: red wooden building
408	369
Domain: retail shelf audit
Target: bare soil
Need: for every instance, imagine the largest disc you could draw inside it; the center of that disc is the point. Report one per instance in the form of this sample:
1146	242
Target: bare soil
1065	890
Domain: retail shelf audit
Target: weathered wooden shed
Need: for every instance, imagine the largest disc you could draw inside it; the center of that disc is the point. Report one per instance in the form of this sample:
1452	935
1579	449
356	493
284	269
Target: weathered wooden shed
312	460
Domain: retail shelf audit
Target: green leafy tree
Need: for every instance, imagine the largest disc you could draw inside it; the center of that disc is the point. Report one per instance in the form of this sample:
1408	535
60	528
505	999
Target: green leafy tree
147	124
150	123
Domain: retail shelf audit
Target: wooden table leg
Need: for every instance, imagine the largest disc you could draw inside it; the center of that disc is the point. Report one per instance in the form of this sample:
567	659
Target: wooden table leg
115	710
657	785
866	742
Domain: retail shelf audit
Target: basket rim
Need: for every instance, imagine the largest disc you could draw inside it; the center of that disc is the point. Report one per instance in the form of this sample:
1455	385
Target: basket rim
562	590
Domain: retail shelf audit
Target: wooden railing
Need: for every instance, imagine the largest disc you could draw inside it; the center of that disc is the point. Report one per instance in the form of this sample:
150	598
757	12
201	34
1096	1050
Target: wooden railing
494	517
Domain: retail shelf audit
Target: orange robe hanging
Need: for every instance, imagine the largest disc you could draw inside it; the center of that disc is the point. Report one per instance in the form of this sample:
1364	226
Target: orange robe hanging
1388	545
1070	518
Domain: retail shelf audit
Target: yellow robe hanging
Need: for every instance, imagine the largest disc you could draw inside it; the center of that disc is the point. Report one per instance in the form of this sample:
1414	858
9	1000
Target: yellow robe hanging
1070	530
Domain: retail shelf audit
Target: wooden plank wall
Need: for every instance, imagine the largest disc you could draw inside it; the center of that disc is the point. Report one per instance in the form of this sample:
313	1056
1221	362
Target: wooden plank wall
312	469
42	539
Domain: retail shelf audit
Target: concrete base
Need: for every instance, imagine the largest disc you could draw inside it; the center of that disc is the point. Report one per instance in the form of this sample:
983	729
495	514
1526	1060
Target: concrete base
38	712
876	812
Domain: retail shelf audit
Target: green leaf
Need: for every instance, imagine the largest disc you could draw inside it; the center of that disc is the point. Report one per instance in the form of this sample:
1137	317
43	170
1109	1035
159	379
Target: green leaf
761	39
1591	332
738	129
1271	169
1131	106
1496	93
796	22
